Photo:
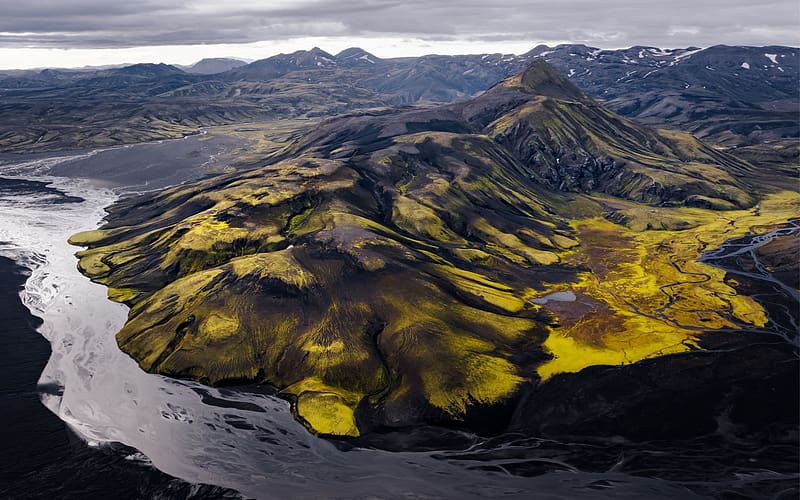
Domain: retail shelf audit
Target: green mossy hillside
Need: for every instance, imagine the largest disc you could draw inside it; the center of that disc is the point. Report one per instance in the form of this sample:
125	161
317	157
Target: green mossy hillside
362	287
379	271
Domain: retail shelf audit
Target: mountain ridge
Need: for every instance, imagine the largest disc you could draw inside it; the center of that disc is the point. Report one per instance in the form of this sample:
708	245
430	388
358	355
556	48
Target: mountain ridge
729	105
380	271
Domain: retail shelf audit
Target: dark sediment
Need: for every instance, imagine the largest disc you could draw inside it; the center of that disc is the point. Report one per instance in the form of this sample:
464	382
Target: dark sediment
41	457
21	187
149	166
745	390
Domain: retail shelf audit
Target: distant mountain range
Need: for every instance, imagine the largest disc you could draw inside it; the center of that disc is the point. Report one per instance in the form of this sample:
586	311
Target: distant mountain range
731	96
213	66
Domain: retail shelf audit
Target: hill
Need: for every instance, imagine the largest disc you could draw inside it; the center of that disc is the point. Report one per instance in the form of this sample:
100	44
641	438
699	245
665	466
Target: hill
399	268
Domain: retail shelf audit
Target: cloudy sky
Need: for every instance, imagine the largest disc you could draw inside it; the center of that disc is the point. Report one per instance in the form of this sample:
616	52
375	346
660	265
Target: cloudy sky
37	33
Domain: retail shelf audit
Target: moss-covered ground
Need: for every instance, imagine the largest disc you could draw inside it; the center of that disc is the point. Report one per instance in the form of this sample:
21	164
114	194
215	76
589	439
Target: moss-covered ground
380	271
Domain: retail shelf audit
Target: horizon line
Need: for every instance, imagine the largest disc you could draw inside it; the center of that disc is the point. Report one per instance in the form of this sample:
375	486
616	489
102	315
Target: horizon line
178	55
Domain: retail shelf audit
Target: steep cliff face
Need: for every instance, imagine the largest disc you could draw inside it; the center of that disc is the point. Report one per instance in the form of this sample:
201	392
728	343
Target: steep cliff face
392	269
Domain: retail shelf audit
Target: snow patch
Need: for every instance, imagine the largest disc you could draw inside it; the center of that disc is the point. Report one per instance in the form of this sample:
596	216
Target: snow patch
627	75
683	56
659	52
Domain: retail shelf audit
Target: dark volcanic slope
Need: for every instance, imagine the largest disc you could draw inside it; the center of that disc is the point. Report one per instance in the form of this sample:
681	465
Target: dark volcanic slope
378	272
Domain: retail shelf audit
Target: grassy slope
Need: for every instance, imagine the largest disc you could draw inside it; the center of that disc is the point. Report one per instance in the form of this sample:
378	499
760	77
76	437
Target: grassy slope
380	271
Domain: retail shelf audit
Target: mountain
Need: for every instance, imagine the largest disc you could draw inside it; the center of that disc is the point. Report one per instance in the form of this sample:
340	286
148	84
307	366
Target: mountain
281	64
399	268
726	93
212	66
138	79
743	99
148	71
356	56
568	141
731	95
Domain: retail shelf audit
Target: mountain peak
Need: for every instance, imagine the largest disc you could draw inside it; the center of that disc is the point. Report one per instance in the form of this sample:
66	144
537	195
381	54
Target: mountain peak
350	52
356	55
536	51
541	78
214	65
149	70
316	51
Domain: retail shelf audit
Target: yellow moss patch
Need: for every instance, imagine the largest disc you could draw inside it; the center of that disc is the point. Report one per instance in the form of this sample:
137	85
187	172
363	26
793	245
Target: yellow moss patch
325	409
299	219
218	326
488	379
344	219
473	255
333	348
656	296
86	238
204	232
122	294
326	413
464	361
474	277
541	239
316	384
639	338
541	257
279	265
91	263
482	287
186	289
563	241
508	244
421	220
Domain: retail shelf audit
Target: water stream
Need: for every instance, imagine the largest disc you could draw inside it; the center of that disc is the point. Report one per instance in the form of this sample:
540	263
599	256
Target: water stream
244	440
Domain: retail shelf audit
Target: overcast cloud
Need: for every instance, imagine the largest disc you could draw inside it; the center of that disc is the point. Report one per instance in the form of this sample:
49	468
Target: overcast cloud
93	24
